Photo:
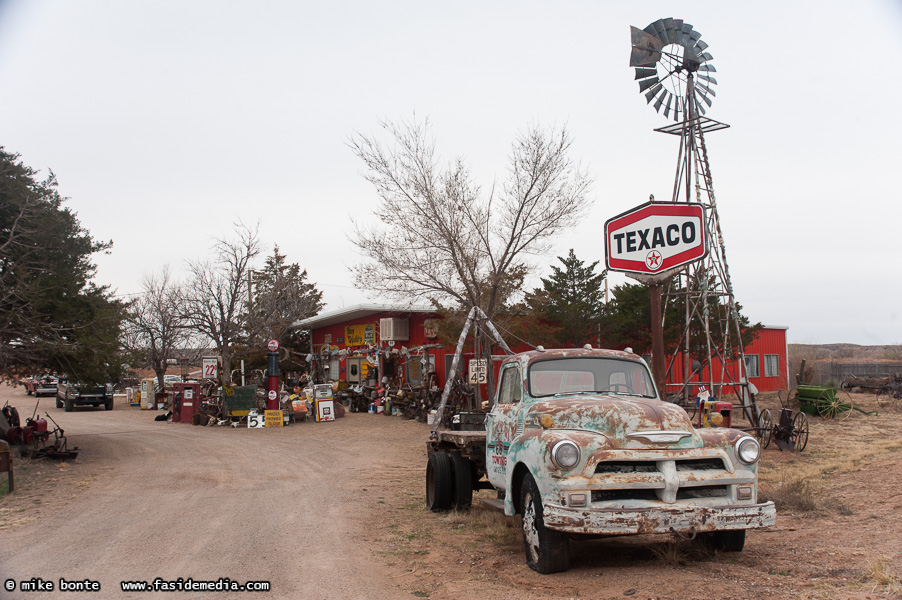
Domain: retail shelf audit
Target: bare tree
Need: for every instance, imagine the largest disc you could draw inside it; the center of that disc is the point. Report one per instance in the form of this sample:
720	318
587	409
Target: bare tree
216	293
156	328
440	238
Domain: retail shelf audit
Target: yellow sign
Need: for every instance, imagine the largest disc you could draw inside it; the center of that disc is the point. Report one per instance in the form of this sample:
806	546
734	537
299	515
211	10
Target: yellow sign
273	418
358	335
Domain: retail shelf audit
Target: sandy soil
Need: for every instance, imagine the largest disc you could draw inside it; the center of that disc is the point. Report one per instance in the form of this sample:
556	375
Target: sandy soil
335	510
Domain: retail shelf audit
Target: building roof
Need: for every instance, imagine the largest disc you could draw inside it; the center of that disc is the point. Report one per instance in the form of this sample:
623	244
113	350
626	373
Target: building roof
359	311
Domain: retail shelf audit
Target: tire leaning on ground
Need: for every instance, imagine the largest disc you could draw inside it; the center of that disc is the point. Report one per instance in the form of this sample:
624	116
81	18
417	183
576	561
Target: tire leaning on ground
59	402
439	483
547	550
108	405
462	471
69	405
732	540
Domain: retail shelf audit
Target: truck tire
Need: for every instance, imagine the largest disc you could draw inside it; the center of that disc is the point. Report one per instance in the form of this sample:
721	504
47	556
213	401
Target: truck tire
59	402
439	483
462	469
108	405
70	404
547	550
731	540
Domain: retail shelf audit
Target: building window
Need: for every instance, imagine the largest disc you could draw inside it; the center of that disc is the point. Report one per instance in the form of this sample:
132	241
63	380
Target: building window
751	366
771	365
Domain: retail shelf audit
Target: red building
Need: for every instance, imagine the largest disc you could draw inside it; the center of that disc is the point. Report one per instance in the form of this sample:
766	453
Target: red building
399	334
765	359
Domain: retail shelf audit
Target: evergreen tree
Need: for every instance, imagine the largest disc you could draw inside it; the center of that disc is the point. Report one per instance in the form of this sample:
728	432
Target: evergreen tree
572	299
53	317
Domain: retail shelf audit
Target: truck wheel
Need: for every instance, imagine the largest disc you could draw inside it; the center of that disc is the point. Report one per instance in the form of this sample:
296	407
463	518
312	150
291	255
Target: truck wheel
462	496
108	405
59	402
547	550
438	482
69	405
732	540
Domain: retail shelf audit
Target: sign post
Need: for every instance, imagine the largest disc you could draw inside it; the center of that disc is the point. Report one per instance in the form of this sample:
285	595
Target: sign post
651	243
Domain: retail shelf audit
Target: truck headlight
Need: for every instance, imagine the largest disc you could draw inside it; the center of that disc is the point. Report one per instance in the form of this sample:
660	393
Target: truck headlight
748	450
565	454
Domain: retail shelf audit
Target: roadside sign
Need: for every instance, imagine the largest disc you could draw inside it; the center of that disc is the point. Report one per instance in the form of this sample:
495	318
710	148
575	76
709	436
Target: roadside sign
272	395
655	237
272	345
273	418
479	372
211	369
255	420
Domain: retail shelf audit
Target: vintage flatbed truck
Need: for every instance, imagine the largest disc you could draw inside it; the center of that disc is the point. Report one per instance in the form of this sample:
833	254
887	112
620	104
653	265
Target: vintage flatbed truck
578	441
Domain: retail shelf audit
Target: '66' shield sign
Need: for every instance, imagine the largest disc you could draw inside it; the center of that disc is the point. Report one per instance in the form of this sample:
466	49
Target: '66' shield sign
655	237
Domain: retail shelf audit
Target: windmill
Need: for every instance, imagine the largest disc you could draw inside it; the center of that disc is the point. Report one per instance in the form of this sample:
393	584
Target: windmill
675	74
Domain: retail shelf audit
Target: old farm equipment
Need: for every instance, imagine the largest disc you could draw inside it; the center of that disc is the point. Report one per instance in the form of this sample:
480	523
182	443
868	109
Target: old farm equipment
675	73
789	433
890	395
42	447
825	401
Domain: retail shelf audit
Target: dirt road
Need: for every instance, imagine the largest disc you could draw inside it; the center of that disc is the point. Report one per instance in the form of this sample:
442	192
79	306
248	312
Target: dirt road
149	499
335	510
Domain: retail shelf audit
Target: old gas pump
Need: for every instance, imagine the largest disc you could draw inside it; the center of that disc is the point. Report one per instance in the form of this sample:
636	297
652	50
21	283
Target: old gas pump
186	401
272	371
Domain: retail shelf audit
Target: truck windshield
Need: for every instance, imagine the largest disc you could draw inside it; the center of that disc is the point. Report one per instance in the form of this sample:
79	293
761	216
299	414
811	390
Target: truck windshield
589	374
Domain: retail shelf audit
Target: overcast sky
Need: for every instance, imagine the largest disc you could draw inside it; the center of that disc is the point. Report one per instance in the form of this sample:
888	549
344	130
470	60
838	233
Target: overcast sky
167	121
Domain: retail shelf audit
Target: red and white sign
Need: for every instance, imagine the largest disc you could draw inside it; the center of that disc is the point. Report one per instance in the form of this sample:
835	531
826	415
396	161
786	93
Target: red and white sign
655	237
272	395
272	345
210	368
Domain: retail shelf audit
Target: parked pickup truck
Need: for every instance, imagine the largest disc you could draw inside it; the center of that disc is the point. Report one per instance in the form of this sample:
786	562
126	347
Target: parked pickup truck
44	385
579	442
69	395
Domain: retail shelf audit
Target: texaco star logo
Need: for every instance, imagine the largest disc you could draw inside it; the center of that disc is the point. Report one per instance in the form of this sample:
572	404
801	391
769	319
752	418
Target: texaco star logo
653	260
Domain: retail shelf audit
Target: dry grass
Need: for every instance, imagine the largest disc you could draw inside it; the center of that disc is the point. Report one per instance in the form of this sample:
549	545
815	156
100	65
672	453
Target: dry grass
678	553
878	572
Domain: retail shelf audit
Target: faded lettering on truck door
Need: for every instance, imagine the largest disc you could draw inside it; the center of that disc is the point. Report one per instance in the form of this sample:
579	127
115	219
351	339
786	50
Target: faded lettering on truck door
501	424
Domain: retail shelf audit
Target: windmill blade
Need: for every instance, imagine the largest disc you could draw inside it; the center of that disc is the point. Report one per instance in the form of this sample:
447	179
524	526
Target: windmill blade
706	56
694	36
644	85
701	45
677	109
667	108
704	98
643	72
660	30
709	68
701	108
650	94
668	28
646	48
704	87
684	38
708	78
660	100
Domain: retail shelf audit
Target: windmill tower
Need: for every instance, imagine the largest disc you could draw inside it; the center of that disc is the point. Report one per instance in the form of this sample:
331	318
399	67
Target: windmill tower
676	76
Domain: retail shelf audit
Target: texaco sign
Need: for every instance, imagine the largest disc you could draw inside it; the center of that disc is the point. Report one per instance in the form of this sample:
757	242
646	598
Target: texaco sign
655	237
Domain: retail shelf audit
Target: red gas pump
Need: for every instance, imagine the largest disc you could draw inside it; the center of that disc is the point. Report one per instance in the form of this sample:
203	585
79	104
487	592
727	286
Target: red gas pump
186	401
272	395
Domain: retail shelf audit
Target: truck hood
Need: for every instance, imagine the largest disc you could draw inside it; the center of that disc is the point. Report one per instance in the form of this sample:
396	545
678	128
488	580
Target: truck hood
617	417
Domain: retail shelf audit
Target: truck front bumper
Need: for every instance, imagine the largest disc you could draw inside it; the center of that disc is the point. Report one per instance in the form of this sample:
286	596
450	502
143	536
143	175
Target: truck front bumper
672	518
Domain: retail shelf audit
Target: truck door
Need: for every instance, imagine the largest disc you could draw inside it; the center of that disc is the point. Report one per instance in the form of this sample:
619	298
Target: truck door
501	423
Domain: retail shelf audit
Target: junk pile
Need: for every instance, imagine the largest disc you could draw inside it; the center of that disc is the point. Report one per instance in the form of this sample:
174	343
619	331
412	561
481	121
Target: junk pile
35	435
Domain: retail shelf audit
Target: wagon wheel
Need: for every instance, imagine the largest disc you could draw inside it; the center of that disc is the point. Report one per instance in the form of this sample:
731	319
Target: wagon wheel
834	404
884	396
792	399
765	430
800	431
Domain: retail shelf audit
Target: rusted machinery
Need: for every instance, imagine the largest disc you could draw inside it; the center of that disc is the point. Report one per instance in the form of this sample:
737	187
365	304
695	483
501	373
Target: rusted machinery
790	432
